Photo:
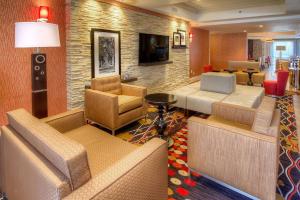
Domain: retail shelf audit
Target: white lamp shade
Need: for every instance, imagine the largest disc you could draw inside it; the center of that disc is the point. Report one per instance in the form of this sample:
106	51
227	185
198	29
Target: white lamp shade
36	34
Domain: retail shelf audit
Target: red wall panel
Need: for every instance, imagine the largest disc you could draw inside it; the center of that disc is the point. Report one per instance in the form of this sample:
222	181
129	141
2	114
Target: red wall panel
15	64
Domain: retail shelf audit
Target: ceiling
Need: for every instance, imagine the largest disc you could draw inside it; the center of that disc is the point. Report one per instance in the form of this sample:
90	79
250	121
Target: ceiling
222	16
219	5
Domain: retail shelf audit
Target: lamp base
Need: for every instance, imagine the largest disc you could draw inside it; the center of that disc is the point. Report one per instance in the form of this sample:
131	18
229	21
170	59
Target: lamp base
39	85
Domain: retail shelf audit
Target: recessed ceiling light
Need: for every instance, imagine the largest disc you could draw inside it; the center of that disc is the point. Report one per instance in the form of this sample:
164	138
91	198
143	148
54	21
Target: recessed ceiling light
260	26
244	31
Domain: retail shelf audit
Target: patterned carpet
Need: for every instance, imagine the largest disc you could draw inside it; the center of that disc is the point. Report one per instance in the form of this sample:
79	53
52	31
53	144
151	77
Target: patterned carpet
289	159
184	184
187	185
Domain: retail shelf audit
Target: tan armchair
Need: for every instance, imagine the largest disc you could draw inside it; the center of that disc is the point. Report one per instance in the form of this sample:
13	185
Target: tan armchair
112	104
61	157
238	146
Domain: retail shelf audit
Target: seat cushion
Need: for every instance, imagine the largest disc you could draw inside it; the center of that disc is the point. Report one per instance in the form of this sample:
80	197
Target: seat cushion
241	77
127	103
202	101
103	149
264	115
181	94
218	82
228	122
66	155
110	84
258	78
247	96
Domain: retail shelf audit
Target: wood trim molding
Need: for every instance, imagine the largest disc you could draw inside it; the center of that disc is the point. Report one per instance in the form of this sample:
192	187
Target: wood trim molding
141	10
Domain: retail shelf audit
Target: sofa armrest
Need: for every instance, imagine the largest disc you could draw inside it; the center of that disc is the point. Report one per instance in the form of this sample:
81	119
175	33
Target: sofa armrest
235	113
133	90
29	175
241	158
66	121
101	107
140	175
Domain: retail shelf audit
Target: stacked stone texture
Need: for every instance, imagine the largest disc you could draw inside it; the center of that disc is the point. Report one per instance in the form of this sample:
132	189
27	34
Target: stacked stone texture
82	16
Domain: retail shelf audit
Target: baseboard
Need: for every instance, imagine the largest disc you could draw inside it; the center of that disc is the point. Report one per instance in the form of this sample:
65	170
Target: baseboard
229	186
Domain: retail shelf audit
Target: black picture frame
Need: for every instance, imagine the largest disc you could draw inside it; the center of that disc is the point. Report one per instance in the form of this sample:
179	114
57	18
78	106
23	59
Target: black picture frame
182	38
94	51
176	39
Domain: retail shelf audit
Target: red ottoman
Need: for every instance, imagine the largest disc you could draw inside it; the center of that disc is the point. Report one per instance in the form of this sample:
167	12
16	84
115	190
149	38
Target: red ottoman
207	68
270	87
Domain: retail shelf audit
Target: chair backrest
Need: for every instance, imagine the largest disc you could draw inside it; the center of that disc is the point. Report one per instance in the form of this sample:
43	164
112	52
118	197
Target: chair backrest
109	84
282	78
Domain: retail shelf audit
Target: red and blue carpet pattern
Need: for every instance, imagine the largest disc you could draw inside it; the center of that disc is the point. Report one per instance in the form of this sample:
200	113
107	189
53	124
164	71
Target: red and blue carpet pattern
289	159
186	185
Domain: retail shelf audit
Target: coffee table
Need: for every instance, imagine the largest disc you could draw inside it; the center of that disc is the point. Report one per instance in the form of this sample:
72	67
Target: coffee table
162	101
250	73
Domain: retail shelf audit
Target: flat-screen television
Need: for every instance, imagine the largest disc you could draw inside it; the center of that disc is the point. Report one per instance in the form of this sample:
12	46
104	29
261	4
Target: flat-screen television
153	48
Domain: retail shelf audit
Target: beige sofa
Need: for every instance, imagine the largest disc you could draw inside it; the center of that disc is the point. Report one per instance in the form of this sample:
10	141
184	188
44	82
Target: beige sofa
238	146
198	98
243	65
242	77
62	157
124	102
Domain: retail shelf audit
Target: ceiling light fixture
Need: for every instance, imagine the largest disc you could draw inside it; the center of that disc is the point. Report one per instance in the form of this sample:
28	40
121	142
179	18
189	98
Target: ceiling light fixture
260	26
245	31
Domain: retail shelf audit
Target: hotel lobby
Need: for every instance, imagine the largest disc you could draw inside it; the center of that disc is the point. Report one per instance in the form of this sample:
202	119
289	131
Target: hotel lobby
150	100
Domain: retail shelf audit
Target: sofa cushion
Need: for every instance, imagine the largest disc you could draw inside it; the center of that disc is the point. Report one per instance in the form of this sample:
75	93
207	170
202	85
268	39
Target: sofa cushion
183	92
218	82
110	84
202	101
247	96
68	156
263	116
127	103
103	149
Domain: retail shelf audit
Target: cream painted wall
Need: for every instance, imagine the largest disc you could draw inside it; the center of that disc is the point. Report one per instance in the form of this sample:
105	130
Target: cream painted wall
88	14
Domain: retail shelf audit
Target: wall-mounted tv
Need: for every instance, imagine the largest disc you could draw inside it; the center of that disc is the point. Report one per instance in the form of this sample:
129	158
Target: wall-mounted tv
153	49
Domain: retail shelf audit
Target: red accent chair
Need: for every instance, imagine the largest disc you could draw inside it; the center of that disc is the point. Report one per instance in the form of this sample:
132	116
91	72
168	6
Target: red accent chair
207	68
277	87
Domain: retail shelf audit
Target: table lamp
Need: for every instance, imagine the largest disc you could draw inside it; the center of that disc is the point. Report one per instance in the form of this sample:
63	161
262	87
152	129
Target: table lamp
37	35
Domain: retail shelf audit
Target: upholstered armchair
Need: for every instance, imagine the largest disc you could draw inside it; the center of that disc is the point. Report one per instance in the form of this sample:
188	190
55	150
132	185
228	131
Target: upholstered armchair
238	146
112	105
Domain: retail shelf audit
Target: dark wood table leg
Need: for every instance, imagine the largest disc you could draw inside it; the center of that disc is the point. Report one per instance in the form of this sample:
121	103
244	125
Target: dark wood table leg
161	124
250	83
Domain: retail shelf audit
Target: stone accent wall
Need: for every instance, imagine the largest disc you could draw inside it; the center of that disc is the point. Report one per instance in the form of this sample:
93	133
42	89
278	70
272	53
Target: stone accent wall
84	15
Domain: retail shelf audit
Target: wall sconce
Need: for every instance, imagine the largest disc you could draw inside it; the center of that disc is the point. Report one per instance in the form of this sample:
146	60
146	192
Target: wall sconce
43	14
191	37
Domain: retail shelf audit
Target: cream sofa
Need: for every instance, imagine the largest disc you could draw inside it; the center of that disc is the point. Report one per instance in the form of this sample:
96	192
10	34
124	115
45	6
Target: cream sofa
193	97
238	146
62	157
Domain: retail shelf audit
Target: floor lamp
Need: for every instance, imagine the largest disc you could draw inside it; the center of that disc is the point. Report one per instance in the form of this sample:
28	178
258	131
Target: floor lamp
280	49
37	35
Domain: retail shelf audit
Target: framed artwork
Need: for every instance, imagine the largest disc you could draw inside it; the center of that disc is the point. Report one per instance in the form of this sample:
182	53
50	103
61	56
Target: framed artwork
176	39
105	52
182	37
